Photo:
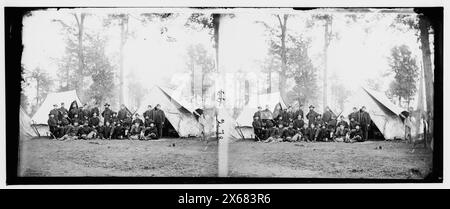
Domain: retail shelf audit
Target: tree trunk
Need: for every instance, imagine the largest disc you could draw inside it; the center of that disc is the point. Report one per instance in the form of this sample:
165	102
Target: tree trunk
80	74
282	74
327	37
123	39
426	53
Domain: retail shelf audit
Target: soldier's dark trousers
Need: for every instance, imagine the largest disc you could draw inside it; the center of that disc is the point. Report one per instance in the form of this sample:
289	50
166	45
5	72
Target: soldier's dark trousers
365	131
159	126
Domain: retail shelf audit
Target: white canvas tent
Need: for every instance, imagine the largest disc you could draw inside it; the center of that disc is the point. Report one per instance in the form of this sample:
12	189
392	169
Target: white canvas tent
26	130
245	118
179	117
384	114
40	118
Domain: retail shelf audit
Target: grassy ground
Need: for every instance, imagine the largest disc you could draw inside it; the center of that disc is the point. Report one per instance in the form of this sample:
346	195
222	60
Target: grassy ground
189	157
329	160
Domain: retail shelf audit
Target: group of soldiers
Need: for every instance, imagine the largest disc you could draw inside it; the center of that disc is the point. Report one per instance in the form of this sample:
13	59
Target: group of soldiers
84	123
289	125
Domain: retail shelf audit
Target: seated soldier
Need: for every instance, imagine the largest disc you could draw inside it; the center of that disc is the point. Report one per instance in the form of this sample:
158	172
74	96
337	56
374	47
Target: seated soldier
341	134
118	132
288	133
136	131
126	124
76	119
114	119
356	135
275	134
311	133
137	120
268	126
331	127
322	133
85	119
65	124
107	130
87	132
318	121
94	121
100	130
302	133
353	124
342	122
72	132
148	121
298	123
53	126
281	121
151	132
257	128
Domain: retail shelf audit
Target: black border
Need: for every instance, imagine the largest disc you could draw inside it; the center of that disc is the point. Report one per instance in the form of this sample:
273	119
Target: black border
13	52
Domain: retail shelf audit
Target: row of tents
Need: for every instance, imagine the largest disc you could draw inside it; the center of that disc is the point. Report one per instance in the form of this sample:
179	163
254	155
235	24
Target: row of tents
385	115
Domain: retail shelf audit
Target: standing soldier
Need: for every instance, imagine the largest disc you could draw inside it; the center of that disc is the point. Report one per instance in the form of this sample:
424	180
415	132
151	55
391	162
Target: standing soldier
73	109
365	122
312	115
53	126
122	114
148	113
258	113
159	117
55	112
107	113
327	115
354	114
95	110
62	111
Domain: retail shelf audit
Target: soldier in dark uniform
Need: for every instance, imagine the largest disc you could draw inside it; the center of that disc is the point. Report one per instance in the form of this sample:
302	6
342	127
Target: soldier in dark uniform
356	135
342	122
148	121
298	123
312	115
95	110
122	112
148	112
73	109
126	124
55	112
311	132
137	120
159	117
353	124
86	112
151	132
75	119
364	122
327	115
258	113
319	122
354	114
65	123
257	128
62	111
53	125
81	114
94	121
107	113
107	130
288	133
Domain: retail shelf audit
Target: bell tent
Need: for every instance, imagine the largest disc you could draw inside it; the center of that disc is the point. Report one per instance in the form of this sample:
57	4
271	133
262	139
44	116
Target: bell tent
26	130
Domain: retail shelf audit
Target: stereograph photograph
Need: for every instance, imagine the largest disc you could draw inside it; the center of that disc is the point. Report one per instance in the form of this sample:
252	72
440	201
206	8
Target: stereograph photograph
318	93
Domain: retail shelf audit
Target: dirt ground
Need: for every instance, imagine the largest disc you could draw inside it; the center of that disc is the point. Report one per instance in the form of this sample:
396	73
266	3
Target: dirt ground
329	160
189	157
192	157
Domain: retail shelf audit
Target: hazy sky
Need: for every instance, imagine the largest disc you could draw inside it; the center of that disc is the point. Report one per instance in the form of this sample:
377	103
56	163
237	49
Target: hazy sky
353	57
